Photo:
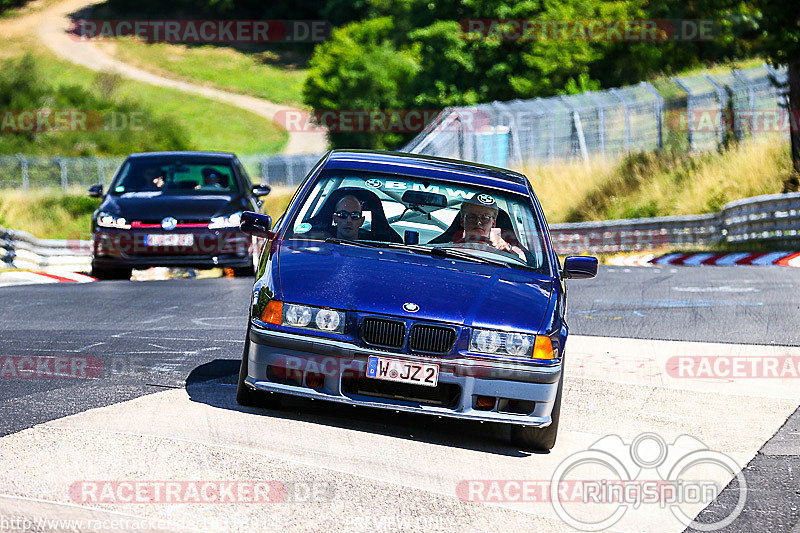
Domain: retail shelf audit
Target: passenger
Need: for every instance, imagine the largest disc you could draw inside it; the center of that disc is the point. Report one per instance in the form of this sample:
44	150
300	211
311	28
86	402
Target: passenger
348	217
213	179
478	221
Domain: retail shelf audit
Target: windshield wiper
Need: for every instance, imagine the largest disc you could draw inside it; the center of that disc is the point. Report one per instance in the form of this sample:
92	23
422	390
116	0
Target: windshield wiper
442	252
363	244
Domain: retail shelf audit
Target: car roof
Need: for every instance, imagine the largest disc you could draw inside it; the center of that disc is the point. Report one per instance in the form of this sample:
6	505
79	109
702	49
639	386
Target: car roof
183	153
428	167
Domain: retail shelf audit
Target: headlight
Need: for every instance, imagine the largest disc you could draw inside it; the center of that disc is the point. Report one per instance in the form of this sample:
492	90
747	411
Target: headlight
230	221
107	220
511	343
305	316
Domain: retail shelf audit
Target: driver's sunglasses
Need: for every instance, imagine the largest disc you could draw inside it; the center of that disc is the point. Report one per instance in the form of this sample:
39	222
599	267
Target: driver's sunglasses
354	215
473	218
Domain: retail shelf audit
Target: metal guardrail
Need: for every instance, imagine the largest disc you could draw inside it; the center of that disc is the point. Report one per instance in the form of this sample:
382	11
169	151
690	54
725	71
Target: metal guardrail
20	249
771	218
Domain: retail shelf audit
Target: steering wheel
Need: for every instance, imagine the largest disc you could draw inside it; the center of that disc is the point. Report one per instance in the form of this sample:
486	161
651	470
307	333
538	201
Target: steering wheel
485	244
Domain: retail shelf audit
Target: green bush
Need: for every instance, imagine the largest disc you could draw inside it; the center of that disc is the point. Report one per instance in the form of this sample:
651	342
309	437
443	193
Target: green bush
111	126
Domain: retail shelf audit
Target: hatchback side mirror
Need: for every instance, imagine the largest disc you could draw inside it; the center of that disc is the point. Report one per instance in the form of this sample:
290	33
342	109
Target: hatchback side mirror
96	191
261	190
580	267
257	224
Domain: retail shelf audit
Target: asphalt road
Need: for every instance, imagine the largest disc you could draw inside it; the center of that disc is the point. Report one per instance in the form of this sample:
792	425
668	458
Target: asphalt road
187	335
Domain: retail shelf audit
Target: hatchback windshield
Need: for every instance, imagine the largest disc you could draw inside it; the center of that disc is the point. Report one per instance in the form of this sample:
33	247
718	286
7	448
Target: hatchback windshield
191	175
445	218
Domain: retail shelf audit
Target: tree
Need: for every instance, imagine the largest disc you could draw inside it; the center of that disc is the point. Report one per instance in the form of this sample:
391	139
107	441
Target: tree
780	40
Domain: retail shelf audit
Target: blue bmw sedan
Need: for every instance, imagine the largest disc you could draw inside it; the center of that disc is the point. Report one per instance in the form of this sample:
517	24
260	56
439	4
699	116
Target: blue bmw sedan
412	283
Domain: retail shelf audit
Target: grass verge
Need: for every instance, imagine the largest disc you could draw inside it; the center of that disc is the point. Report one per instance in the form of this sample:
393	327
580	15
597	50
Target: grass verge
209	125
652	184
50	214
224	68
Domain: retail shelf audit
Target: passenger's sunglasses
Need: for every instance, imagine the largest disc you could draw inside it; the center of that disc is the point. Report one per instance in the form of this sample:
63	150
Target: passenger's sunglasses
473	218
354	215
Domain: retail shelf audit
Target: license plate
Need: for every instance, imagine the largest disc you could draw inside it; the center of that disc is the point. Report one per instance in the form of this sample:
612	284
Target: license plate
169	239
402	371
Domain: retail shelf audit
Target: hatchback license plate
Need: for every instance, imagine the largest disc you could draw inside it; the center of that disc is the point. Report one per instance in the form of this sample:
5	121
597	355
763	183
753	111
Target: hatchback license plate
169	239
402	371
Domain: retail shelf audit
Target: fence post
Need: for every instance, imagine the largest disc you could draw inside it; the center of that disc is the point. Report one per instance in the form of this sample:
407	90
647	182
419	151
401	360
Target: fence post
23	163
627	118
659	111
688	111
601	119
63	165
751	100
721	100
101	171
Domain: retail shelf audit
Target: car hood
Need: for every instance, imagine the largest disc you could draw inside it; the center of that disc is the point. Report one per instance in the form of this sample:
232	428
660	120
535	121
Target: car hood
147	206
382	280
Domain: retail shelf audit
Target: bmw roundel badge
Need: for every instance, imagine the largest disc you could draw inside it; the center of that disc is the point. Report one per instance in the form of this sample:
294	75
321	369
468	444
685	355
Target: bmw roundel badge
169	223
411	307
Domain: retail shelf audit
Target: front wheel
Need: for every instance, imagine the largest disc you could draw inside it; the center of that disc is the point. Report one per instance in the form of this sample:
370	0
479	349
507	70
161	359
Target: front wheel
111	273
245	395
243	272
540	439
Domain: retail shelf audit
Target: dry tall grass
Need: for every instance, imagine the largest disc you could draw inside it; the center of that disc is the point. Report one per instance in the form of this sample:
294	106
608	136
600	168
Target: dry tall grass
650	184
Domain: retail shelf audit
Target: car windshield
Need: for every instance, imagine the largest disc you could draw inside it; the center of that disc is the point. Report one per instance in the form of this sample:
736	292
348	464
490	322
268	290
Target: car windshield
443	218
171	175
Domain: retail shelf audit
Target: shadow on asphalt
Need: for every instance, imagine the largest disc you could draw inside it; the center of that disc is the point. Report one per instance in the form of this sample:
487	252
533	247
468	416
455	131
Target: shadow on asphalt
214	384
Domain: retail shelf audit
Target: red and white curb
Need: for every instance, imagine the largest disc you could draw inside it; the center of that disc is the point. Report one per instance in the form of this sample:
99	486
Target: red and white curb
25	277
790	259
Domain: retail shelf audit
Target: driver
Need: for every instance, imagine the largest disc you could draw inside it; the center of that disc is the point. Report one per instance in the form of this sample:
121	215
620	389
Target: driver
348	217
478	220
154	177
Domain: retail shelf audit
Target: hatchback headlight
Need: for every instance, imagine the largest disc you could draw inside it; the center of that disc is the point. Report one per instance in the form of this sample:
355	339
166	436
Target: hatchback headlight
107	220
514	344
306	316
230	221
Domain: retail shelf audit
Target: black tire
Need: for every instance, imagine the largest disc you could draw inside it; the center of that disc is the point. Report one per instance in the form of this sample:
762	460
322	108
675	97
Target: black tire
540	439
248	397
243	272
111	273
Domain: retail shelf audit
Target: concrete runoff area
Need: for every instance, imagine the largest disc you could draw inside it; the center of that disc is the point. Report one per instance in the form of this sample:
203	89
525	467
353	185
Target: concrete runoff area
407	470
164	410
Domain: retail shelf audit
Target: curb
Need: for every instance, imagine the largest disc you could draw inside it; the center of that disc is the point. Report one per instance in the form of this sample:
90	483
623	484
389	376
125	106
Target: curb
27	277
788	259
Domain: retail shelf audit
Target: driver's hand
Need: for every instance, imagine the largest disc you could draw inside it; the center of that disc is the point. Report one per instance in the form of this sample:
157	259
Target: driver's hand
497	241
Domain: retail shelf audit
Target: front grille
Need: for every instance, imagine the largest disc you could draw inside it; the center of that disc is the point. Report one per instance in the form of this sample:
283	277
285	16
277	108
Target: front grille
431	339
385	333
444	394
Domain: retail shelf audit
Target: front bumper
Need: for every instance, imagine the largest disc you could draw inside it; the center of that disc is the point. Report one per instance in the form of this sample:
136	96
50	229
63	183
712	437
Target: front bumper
210	249
343	366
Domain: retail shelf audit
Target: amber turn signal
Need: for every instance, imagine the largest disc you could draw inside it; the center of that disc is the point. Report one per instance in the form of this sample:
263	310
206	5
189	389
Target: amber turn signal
273	312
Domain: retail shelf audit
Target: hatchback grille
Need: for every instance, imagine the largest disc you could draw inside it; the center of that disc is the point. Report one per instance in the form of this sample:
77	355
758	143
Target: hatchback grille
431	339
385	333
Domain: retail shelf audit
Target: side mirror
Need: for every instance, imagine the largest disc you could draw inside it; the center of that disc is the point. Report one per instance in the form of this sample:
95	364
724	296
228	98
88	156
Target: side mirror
580	267
257	224
261	190
96	191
